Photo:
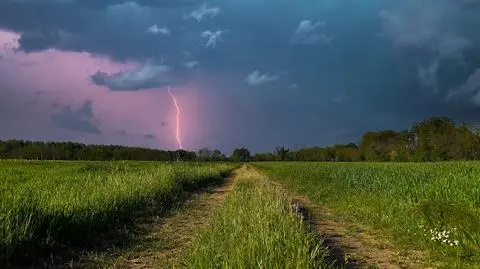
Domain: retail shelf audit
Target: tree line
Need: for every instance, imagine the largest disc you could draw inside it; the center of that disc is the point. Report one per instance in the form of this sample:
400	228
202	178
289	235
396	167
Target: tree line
434	139
20	149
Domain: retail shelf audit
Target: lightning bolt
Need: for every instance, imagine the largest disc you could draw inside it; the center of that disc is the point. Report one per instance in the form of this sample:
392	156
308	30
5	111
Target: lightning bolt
177	107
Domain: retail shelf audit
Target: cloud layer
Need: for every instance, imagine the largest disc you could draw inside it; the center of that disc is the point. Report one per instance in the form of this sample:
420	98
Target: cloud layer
256	78
77	120
148	76
323	71
307	33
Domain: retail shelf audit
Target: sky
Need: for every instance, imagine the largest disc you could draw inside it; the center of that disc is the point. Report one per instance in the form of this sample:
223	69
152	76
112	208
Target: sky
250	73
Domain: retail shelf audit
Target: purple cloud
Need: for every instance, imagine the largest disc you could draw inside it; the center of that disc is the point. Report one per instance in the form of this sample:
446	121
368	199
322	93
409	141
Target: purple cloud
76	120
148	76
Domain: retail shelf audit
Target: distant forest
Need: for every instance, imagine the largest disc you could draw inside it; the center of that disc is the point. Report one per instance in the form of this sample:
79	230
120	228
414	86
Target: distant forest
19	149
435	139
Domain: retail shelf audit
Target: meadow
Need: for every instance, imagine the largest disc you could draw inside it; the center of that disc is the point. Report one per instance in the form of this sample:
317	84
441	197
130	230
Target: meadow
257	227
46	204
432	207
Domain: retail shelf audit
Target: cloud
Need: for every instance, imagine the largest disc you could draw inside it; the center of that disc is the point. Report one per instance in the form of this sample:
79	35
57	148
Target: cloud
38	40
191	64
255	78
115	35
471	88
148	76
419	28
105	3
410	29
202	12
38	1
113	28
212	38
427	28
154	29
149	136
76	120
452	46
428	75
8	43
307	34
339	99
473	84
32	102
121	132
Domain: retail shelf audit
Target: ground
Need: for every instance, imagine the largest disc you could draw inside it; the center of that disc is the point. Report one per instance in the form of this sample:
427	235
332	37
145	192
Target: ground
163	241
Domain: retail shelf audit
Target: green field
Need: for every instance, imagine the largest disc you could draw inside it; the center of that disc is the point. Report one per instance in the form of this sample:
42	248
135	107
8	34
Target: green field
433	207
48	204
257	227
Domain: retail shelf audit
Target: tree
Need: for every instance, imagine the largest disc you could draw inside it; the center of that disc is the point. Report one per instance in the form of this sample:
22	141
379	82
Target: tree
378	146
217	155
346	153
204	154
317	154
281	153
240	155
436	139
18	149
262	157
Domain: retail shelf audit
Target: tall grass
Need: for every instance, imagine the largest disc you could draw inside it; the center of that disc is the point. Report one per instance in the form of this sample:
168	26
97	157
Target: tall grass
48	203
430	206
256	227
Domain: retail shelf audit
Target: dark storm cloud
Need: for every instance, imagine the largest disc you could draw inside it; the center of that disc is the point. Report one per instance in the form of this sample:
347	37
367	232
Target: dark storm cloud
431	30
442	33
153	3
328	70
149	136
76	120
470	89
148	76
105	3
121	132
43	39
115	28
32	102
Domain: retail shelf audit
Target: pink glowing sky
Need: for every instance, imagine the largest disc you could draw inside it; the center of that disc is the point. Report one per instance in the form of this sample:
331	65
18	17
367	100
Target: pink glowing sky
36	81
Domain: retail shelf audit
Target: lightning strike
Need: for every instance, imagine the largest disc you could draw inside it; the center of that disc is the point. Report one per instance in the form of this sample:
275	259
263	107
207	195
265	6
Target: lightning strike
177	107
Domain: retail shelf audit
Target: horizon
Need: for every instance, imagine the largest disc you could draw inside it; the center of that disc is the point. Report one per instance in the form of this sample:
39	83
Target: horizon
249	74
473	131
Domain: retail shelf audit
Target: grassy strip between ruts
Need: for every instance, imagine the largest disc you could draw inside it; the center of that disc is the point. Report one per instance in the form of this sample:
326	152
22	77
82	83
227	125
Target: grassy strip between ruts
48	204
426	206
257	227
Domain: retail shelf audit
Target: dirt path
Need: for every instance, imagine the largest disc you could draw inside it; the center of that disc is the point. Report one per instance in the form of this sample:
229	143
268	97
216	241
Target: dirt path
163	240
353	245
